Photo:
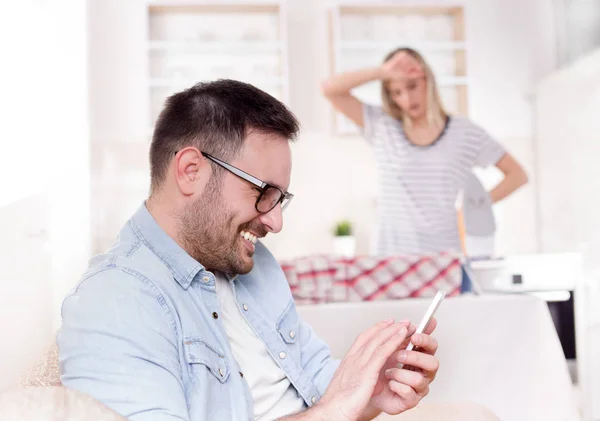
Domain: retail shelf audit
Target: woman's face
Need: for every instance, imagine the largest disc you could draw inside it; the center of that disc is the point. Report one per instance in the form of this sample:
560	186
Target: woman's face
410	95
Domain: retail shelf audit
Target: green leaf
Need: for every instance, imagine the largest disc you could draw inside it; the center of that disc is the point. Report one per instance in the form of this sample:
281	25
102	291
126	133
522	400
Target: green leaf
343	228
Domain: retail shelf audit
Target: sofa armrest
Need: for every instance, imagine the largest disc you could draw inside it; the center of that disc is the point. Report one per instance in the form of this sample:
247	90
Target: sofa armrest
53	404
45	372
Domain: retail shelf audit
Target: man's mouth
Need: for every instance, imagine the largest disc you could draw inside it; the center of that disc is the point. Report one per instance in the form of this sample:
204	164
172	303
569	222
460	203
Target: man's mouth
249	236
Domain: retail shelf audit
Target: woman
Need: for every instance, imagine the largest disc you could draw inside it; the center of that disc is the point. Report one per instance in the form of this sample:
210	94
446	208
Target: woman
423	155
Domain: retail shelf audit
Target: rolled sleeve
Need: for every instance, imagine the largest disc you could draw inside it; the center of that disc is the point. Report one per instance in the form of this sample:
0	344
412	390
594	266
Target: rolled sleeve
118	345
372	116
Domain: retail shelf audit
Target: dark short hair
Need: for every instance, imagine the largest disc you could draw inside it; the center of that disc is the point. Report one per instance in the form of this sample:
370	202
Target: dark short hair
215	117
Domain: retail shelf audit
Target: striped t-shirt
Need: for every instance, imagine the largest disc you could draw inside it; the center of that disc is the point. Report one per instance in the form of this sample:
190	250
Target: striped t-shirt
419	184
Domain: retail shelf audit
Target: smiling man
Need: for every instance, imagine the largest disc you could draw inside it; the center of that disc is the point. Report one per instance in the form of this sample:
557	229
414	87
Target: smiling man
189	317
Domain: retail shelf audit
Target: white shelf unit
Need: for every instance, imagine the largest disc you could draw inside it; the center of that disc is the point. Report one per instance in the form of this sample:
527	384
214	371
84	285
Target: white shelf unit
384	46
362	34
194	41
178	83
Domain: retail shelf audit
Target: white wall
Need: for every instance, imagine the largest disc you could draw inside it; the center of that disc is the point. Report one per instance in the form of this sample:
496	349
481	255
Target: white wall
119	112
44	172
118	69
567	107
511	45
567	104
69	189
578	22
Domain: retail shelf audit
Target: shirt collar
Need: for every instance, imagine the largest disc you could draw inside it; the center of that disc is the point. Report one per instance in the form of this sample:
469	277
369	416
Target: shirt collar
183	266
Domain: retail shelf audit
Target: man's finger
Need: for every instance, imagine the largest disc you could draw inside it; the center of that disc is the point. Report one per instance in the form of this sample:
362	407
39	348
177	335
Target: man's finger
431	326
366	336
427	344
413	379
383	337
407	394
411	331
380	354
428	363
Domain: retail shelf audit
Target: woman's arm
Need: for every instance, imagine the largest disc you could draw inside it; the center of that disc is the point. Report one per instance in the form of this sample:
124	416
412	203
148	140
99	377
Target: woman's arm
337	91
514	177
337	88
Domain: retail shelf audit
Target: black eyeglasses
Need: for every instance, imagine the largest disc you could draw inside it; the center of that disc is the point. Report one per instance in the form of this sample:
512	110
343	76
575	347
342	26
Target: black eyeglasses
270	195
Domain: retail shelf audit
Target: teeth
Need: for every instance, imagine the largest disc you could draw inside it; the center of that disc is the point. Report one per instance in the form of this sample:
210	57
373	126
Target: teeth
250	237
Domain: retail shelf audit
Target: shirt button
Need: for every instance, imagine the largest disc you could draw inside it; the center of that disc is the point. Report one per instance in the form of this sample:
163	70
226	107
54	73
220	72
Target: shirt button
282	355
206	279
215	315
245	307
313	400
292	334
221	372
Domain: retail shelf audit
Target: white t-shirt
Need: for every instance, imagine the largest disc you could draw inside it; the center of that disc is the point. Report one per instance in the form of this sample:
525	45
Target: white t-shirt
273	394
420	184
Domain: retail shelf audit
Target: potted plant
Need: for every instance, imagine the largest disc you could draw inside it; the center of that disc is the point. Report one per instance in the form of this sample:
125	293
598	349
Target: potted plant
344	243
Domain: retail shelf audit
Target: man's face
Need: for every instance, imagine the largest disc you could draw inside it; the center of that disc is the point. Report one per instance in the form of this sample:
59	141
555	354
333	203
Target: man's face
214	226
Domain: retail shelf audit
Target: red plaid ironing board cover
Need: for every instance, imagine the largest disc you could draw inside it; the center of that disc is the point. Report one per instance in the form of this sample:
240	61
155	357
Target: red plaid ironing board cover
325	279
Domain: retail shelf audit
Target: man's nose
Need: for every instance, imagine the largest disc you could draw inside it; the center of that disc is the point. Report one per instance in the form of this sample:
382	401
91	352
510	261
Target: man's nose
273	220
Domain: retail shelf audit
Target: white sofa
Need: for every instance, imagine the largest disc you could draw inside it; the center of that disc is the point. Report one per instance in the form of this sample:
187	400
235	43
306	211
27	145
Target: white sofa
499	351
496	352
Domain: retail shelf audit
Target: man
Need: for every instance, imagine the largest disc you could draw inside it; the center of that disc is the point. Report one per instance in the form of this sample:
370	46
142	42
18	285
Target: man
189	317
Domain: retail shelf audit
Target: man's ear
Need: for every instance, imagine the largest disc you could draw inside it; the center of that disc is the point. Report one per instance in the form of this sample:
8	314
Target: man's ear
192	171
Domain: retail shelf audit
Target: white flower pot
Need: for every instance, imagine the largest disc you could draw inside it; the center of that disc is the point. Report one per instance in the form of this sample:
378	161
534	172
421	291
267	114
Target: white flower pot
344	246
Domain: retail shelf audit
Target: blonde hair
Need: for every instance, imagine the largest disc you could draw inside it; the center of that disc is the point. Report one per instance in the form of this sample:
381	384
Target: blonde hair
435	113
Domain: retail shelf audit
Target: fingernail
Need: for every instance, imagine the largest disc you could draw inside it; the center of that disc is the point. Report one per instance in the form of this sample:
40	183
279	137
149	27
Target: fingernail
402	331
402	356
389	320
388	372
416	339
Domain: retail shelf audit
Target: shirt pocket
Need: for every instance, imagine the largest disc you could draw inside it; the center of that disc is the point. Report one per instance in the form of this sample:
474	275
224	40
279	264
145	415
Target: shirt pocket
288	327
203	358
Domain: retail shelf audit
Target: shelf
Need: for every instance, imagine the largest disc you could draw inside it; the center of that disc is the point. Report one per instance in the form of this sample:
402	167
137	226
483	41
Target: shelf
417	45
352	8
242	47
192	41
359	37
444	81
213	6
186	83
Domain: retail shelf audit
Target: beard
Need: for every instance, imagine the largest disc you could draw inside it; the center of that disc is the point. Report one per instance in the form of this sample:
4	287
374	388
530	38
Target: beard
207	233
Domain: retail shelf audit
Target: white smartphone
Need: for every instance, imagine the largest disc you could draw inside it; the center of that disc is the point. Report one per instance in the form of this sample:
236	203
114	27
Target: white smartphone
437	300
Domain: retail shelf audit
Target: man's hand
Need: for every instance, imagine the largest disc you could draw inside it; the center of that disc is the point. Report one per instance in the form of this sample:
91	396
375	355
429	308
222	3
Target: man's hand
398	390
355	379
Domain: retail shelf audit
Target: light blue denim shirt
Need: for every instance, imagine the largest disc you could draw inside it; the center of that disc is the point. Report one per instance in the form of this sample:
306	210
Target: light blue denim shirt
141	332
